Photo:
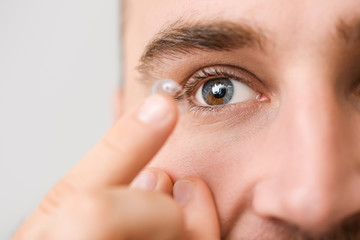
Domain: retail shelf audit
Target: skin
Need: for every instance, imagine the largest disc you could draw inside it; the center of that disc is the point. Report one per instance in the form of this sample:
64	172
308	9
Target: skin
283	168
94	201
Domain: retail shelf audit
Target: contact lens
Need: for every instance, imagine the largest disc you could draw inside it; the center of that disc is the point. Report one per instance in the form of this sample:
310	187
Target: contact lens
168	87
172	89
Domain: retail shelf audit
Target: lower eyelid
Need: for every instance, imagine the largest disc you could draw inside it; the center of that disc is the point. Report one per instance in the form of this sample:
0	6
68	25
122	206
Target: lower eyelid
224	114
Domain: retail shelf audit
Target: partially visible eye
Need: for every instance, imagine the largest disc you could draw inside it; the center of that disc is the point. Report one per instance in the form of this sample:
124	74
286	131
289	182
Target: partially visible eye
219	91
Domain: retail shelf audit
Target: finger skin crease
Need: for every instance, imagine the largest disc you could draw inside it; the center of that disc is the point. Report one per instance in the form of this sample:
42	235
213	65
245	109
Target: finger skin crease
55	196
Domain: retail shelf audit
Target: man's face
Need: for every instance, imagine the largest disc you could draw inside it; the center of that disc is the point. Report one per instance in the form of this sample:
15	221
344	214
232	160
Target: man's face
273	107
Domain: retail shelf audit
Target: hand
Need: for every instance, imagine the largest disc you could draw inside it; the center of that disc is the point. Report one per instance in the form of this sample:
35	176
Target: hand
93	201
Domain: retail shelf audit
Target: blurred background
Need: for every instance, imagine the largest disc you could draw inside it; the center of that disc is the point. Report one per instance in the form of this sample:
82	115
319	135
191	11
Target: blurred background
59	68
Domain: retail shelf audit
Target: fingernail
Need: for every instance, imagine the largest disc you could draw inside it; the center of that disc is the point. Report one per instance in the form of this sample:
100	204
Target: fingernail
182	191
155	109
145	181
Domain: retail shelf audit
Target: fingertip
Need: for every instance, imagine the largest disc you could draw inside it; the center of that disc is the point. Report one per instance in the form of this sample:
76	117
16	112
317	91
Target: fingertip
152	179
145	180
157	109
165	184
200	214
183	191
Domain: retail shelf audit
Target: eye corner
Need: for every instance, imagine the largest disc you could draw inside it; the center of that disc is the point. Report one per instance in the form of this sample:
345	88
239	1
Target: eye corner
260	97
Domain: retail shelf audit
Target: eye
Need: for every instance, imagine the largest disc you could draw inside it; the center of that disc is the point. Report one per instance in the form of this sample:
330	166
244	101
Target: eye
219	91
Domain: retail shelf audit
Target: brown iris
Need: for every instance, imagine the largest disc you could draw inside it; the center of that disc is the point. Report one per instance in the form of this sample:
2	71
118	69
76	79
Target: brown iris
217	91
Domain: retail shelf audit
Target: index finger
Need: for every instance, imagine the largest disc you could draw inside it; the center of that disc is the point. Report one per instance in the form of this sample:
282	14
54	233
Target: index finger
127	146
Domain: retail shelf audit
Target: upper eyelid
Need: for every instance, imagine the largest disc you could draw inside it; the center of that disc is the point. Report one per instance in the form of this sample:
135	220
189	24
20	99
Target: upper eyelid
226	69
217	66
224	74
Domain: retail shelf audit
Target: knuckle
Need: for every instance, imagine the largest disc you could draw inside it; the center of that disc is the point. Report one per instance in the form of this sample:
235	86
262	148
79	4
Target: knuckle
111	144
53	199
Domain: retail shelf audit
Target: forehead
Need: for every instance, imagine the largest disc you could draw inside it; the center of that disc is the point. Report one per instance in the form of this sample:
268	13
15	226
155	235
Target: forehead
145	18
289	24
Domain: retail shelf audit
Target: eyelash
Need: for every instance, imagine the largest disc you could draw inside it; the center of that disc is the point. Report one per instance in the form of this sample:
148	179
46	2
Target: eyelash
201	76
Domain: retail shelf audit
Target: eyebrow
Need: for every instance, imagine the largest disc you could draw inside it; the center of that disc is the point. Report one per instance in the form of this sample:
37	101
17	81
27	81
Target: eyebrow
182	38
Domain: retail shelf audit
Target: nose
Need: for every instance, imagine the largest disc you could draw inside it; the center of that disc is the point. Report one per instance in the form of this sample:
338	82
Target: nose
312	148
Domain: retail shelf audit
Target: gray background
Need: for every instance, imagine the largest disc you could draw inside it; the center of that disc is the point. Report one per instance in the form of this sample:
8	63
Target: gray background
59	67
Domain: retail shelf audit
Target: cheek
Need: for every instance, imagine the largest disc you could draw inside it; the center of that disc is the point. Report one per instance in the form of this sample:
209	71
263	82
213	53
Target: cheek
216	147
221	156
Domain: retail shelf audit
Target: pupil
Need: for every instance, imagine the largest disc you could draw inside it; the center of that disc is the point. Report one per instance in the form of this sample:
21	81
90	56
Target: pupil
218	90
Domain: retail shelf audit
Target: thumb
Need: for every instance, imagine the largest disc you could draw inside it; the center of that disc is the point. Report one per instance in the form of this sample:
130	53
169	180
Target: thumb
200	215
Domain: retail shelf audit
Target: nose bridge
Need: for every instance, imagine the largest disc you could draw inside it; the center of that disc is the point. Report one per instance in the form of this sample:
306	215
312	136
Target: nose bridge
313	163
316	132
312	113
